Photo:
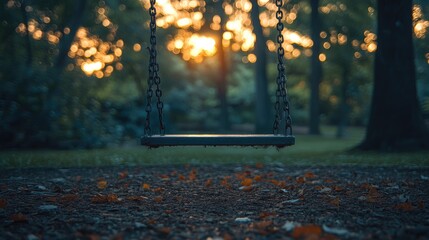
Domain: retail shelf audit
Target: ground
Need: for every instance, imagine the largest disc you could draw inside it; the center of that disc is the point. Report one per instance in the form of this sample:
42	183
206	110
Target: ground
271	201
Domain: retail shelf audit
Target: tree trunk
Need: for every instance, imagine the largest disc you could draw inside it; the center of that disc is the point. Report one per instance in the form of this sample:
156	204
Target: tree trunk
395	122
343	108
316	70
222	86
262	109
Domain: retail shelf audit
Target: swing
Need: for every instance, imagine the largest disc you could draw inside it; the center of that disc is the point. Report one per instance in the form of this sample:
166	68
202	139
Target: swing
282	112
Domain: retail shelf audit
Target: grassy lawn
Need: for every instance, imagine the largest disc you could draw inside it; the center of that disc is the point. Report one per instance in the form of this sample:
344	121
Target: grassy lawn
309	150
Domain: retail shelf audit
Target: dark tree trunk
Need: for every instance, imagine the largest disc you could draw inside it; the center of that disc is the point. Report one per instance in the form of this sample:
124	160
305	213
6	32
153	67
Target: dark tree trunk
343	108
27	37
221	79
395	122
222	86
262	109
316	70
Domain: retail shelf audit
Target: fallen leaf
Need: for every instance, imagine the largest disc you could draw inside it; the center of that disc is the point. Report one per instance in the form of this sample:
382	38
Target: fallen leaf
164	230
263	227
309	175
336	202
110	198
373	195
264	215
164	177
19	218
181	177
193	175
69	198
102	184
225	182
123	175
158	199
406	207
421	204
158	190
300	180
145	186
208	183
3	203
259	165
246	182
257	178
307	231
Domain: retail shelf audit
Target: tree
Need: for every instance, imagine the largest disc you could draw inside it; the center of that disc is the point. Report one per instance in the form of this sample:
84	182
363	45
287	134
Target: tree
262	110
316	69
395	121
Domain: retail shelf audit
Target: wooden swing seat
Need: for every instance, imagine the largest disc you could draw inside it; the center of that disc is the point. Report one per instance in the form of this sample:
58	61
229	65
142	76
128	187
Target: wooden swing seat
255	140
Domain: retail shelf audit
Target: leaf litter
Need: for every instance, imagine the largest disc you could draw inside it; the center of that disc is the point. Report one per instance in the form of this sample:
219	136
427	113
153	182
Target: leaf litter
215	202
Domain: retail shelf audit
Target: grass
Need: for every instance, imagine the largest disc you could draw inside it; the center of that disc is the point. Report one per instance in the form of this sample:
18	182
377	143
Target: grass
309	150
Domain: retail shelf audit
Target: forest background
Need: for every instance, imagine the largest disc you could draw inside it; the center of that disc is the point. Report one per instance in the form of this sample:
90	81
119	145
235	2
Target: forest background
73	74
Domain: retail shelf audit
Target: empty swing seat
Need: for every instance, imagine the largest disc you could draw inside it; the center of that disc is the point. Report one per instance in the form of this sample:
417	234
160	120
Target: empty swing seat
256	140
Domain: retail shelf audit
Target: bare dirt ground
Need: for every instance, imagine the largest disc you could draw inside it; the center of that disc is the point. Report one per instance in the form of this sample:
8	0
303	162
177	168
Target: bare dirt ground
215	202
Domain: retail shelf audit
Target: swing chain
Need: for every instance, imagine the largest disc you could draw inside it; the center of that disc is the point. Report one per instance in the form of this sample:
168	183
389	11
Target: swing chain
154	77
281	93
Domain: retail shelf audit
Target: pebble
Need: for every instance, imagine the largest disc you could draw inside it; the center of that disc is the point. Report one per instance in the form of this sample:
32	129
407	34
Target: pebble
48	207
243	220
289	226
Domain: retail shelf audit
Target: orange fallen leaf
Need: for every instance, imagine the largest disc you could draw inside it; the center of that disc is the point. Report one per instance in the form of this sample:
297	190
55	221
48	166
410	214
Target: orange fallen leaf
123	175
225	182
421	204
164	230
158	189
69	198
102	184
145	186
257	178
158	199
19	218
259	165
300	180
264	215
406	207
338	189
208	183
110	198
246	182
373	195
307	231
309	175
336	202
181	177
193	175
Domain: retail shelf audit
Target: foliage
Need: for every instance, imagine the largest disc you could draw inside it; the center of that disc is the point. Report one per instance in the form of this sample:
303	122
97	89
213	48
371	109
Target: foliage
51	95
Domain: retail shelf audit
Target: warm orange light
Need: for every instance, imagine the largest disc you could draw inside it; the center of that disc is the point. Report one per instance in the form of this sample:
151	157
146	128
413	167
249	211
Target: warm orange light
322	57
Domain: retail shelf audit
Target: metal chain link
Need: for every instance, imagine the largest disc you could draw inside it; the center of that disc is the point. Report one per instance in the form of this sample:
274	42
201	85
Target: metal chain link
281	93
154	77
